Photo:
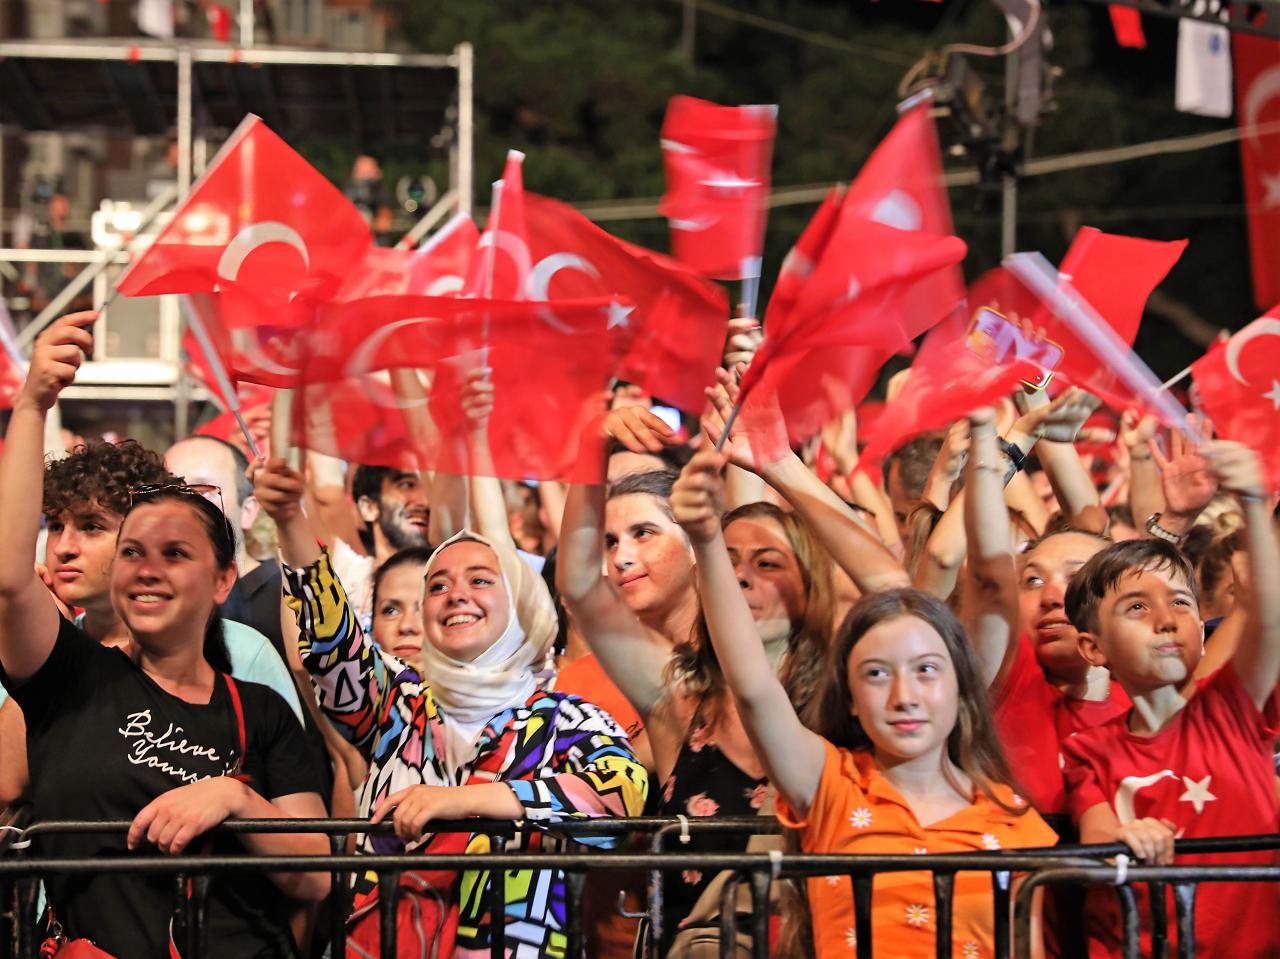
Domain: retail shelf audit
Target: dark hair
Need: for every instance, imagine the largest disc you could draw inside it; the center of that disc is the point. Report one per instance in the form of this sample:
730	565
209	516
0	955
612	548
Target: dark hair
223	540
101	472
367	482
1105	569
915	461
1063	530
240	463
694	666
672	457
562	615
404	557
1197	542
1215	562
972	744
655	483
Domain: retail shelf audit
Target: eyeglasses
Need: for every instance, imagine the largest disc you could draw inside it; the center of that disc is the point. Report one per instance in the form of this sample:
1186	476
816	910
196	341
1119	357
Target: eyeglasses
194	490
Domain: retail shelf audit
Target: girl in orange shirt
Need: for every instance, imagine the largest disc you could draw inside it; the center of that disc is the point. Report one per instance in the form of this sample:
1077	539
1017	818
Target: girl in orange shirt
908	761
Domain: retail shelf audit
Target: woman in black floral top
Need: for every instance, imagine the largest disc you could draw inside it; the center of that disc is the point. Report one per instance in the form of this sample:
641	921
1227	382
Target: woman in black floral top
644	623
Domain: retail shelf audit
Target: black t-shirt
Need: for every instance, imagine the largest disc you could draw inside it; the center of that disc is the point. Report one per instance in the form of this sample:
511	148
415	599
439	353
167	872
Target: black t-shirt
103	740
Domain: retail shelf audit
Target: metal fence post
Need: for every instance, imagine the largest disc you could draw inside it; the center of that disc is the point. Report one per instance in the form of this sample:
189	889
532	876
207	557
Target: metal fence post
337	903
574	885
761	882
729	916
1001	884
1131	921
388	914
497	902
197	910
862	886
1184	904
1159	920
944	884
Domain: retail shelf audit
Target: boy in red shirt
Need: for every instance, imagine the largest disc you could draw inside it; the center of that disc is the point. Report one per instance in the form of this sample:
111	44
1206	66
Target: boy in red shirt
1190	759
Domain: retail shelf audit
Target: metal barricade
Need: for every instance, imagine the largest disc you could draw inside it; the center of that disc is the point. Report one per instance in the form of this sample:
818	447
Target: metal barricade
193	875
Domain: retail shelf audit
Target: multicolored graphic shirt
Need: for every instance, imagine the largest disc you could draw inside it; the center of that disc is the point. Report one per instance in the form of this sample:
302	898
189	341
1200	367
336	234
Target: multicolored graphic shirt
563	758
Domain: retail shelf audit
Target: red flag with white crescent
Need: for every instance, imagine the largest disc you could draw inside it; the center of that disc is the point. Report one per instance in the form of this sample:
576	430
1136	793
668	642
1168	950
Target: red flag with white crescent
1238	386
437	268
261	223
1257	73
680	318
717	162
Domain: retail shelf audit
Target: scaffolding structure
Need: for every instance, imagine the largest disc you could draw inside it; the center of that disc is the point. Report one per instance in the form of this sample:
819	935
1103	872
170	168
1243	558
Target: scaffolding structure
201	92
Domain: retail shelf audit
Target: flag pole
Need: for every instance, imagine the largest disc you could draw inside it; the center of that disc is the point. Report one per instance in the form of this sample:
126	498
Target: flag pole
751	266
1175	379
224	383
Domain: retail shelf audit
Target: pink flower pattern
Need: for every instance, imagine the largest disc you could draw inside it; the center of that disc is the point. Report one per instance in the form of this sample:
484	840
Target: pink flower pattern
702	805
700	738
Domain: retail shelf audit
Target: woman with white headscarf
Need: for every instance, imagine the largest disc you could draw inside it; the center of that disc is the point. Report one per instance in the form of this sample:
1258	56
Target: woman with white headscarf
467	731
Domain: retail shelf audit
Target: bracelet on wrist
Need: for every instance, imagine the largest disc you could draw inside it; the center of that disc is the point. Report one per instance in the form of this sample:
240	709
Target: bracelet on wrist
1154	529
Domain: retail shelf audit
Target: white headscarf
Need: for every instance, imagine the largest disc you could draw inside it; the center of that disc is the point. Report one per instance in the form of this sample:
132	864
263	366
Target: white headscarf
505	674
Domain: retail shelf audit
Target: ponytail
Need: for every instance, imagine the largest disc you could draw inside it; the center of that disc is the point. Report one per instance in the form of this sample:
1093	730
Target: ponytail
215	644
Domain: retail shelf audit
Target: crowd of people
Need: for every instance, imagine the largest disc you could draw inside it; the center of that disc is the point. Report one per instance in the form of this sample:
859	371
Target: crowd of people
1001	642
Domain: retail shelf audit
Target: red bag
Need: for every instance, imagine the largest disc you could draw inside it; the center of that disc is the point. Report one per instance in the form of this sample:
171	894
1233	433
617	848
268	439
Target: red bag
426	912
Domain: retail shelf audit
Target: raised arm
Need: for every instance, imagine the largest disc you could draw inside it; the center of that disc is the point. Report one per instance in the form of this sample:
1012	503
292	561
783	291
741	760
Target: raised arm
791	754
1257	656
990	605
330	640
867	560
28	612
1071	482
631	654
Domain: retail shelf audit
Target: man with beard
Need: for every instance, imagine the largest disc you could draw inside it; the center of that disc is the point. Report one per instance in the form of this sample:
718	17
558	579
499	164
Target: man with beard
393	505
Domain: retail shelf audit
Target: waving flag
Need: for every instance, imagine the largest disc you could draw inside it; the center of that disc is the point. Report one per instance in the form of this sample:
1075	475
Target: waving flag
1257	73
1238	383
717	162
13	368
437	268
680	318
263	225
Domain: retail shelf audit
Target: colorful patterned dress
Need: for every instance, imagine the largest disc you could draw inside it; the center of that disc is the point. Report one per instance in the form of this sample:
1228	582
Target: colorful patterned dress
563	757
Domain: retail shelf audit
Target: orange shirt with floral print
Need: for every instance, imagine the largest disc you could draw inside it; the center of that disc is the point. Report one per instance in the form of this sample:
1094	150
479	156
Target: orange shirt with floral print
857	810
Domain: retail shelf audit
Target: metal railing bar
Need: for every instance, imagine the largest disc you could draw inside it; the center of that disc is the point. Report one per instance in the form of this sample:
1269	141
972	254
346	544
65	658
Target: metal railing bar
575	884
943	886
338	906
1184	903
497	902
1159	920
388	912
761	881
729	916
862	889
1001	885
1130	922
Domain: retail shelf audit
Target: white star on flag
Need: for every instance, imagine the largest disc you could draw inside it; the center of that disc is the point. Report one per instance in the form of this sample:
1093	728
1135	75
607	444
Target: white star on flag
1273	394
618	314
1197	793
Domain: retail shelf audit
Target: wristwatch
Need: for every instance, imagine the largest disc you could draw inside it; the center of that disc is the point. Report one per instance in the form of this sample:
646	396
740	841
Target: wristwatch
1159	532
1017	459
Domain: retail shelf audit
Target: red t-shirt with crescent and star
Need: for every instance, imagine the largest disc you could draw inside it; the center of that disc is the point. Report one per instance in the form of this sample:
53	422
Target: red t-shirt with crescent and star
1034	717
1210	773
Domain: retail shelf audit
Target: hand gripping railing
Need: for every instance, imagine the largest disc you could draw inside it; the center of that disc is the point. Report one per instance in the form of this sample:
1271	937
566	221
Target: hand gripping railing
1075	864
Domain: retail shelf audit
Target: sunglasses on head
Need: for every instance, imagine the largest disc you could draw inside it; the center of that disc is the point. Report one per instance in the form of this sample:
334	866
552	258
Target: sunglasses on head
193	490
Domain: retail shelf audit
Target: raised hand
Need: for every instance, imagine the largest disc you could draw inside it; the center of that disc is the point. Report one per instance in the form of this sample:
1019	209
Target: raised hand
1137	430
1237	467
768	416
1185	477
1062	419
638	429
745	337
56	357
477	399
278	489
697	495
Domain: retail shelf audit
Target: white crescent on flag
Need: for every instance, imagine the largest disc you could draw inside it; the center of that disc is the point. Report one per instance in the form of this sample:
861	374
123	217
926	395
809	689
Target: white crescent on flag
253	236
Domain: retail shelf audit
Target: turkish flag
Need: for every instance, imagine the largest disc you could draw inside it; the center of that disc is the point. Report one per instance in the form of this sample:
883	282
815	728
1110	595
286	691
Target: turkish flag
948	380
500	267
266	355
717	163
680	318
1239	389
261	223
799	263
13	368
1127	23
437	268
359	419
894	221
1257	72
1116	275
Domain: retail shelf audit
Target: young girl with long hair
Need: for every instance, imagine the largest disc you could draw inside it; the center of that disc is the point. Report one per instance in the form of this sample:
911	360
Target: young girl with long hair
903	759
